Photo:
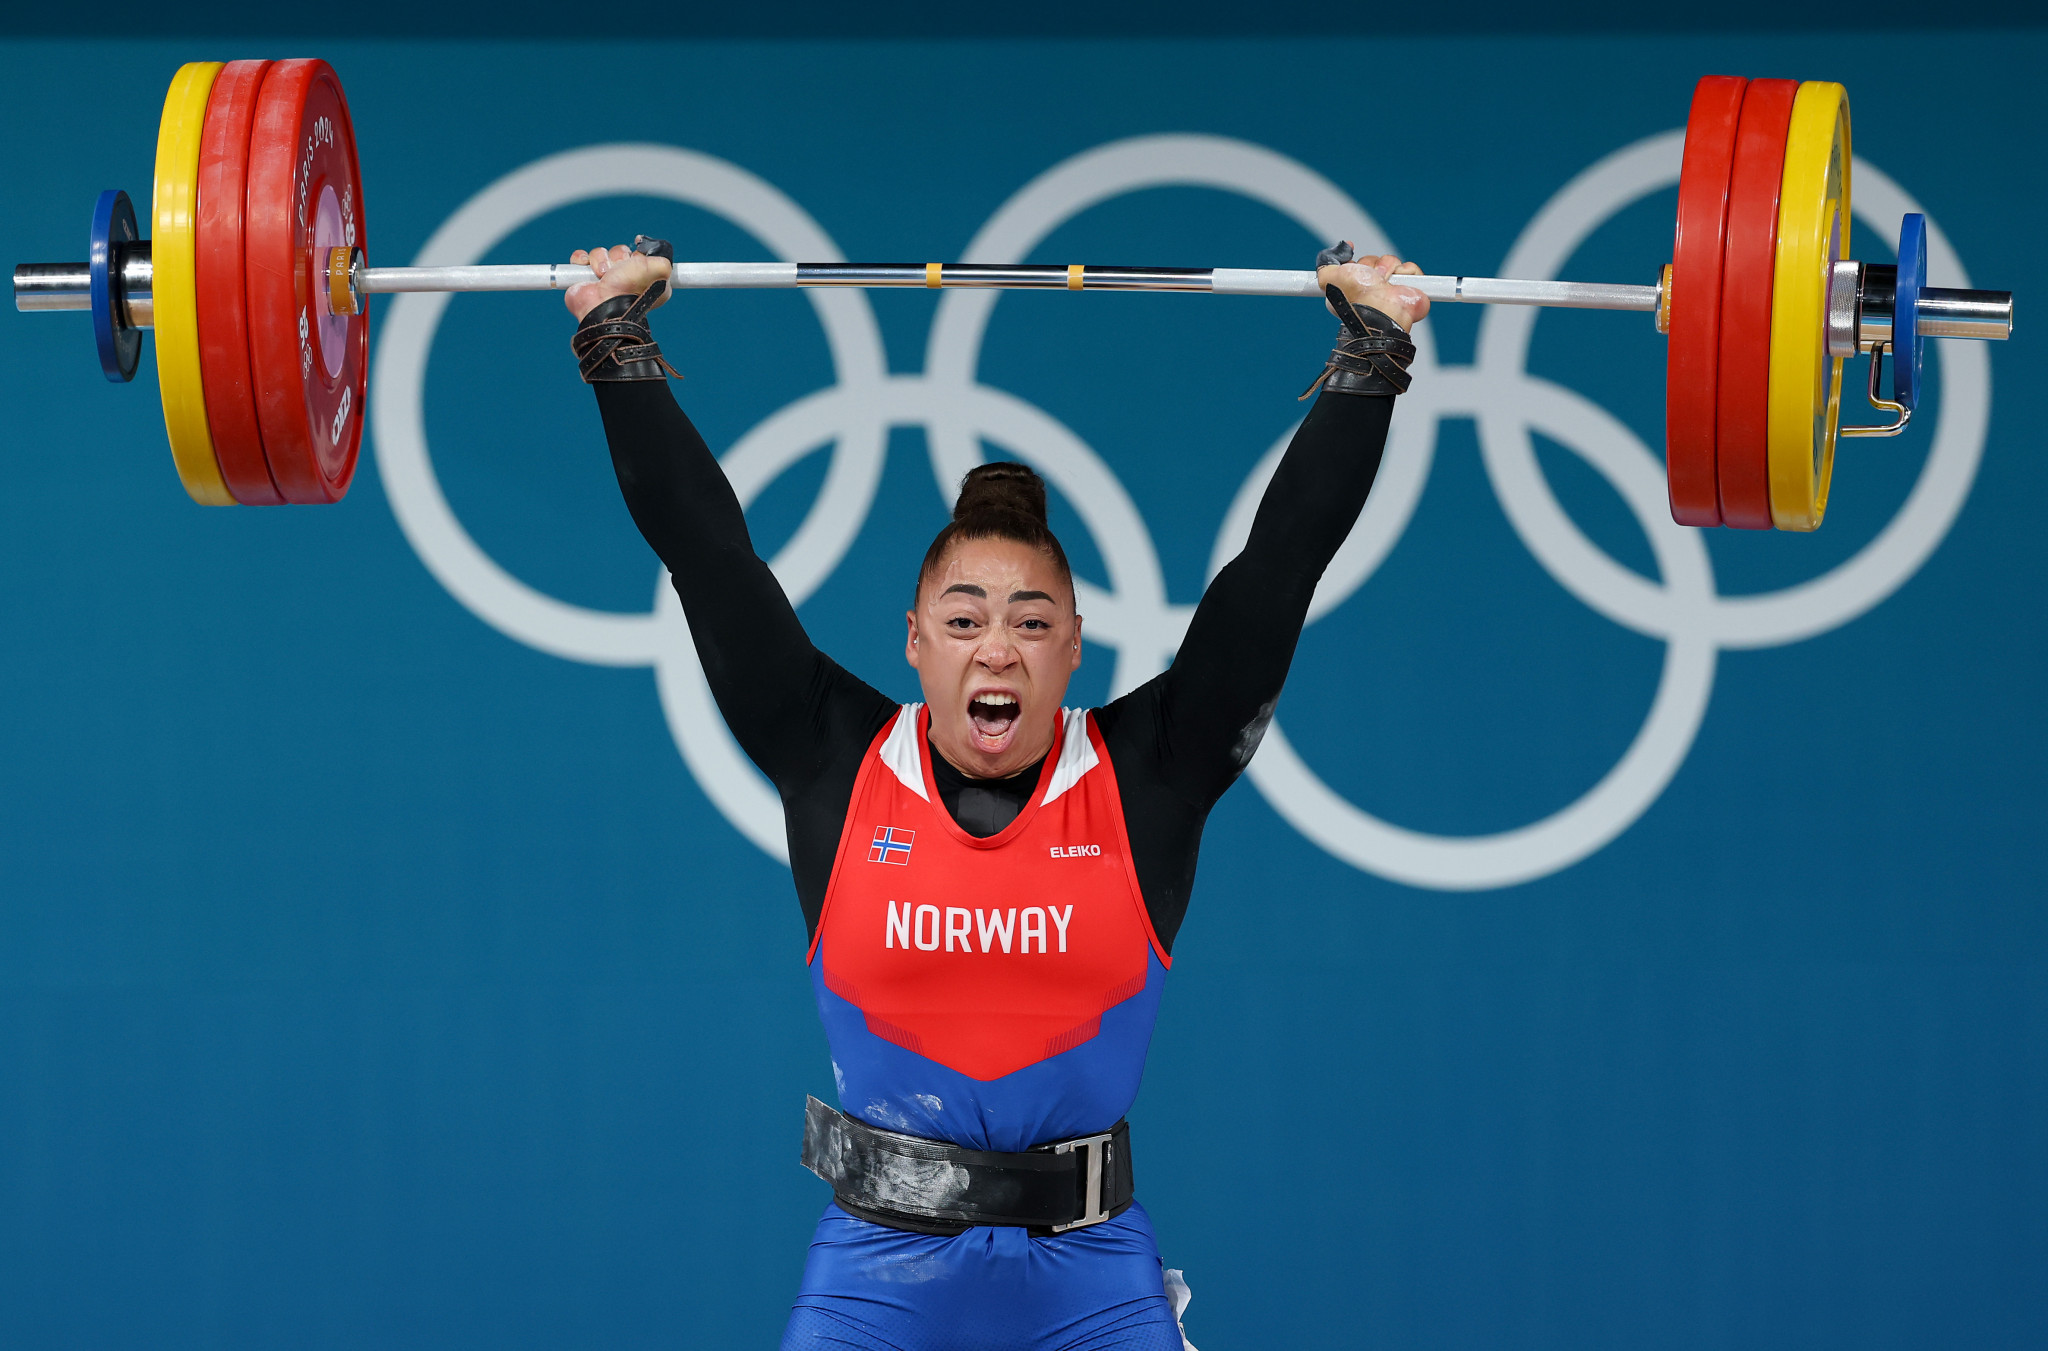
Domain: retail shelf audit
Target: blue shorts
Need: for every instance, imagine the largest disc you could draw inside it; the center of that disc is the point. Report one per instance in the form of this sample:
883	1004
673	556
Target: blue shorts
990	1289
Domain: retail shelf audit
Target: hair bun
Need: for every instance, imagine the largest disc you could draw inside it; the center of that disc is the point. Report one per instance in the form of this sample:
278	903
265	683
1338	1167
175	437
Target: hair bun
1006	487
998	501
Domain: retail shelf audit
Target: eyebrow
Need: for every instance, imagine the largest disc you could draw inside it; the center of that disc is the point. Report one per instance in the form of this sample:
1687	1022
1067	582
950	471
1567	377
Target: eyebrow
970	589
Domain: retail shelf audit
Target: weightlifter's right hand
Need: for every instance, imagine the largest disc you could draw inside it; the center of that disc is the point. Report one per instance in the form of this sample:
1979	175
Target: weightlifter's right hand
620	272
1373	281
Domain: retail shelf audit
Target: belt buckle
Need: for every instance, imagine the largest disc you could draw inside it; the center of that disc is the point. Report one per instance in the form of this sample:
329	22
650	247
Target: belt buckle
1098	1153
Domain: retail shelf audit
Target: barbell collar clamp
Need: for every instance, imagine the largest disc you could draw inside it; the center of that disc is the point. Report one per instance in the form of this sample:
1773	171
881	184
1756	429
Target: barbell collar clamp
1845	309
1901	415
344	281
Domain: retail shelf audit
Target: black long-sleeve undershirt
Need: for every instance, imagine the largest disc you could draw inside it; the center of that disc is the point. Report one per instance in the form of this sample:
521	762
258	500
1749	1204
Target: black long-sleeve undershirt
1176	742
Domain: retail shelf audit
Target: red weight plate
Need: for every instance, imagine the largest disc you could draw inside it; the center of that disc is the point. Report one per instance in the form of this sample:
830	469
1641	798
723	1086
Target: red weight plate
1695	323
1749	269
305	197
222	298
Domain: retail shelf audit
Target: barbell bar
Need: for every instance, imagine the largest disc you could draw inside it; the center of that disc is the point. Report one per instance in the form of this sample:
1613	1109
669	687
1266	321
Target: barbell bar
67	286
1864	293
1766	163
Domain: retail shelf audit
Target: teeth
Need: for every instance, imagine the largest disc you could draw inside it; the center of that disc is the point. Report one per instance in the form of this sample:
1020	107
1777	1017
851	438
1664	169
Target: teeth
995	698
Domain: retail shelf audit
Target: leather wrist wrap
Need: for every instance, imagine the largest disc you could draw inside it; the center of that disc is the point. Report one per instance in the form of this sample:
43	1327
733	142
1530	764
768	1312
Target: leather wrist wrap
613	342
1372	354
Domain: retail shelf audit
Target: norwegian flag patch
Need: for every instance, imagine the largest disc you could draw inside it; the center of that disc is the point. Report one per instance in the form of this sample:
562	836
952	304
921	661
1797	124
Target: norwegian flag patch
891	845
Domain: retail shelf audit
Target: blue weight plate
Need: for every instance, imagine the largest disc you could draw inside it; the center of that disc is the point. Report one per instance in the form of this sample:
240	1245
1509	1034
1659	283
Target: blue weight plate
120	344
1908	346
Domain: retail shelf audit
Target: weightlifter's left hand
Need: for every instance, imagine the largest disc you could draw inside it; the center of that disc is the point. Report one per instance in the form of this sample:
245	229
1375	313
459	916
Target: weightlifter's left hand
620	272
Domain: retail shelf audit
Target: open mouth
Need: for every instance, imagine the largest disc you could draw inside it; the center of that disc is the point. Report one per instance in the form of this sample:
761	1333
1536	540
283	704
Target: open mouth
994	717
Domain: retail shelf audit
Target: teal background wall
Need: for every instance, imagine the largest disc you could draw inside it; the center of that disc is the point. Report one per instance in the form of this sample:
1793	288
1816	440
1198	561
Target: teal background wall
369	976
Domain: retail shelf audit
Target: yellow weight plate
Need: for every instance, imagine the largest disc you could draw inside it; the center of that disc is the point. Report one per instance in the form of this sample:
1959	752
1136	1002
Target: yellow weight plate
1813	229
174	283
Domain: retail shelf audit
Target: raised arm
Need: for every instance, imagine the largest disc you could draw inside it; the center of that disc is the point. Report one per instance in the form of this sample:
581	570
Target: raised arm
793	709
1196	726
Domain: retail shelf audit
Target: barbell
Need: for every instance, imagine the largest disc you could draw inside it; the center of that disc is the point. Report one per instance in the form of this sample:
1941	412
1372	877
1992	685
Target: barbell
257	284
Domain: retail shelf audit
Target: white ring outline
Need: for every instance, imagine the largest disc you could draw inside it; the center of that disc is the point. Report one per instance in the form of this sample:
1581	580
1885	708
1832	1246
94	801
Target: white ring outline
1134	616
1135	164
1686	610
657	638
406	337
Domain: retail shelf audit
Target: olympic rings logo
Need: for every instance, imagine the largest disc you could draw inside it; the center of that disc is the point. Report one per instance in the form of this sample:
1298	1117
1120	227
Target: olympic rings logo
1133	615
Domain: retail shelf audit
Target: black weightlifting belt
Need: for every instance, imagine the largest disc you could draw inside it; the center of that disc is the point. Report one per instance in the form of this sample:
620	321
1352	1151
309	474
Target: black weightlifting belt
932	1187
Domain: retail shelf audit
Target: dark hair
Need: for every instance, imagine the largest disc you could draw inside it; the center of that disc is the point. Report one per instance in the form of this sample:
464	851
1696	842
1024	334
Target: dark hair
998	501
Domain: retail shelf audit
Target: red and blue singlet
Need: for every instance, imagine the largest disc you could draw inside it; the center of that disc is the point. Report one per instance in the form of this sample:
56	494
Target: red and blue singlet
994	992
996	986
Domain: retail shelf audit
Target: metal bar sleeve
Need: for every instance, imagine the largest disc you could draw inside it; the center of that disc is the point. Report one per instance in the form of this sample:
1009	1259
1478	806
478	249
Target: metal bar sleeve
1946	312
52	286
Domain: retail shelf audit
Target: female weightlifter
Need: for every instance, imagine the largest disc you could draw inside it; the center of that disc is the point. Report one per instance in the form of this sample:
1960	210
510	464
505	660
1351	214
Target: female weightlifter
991	883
